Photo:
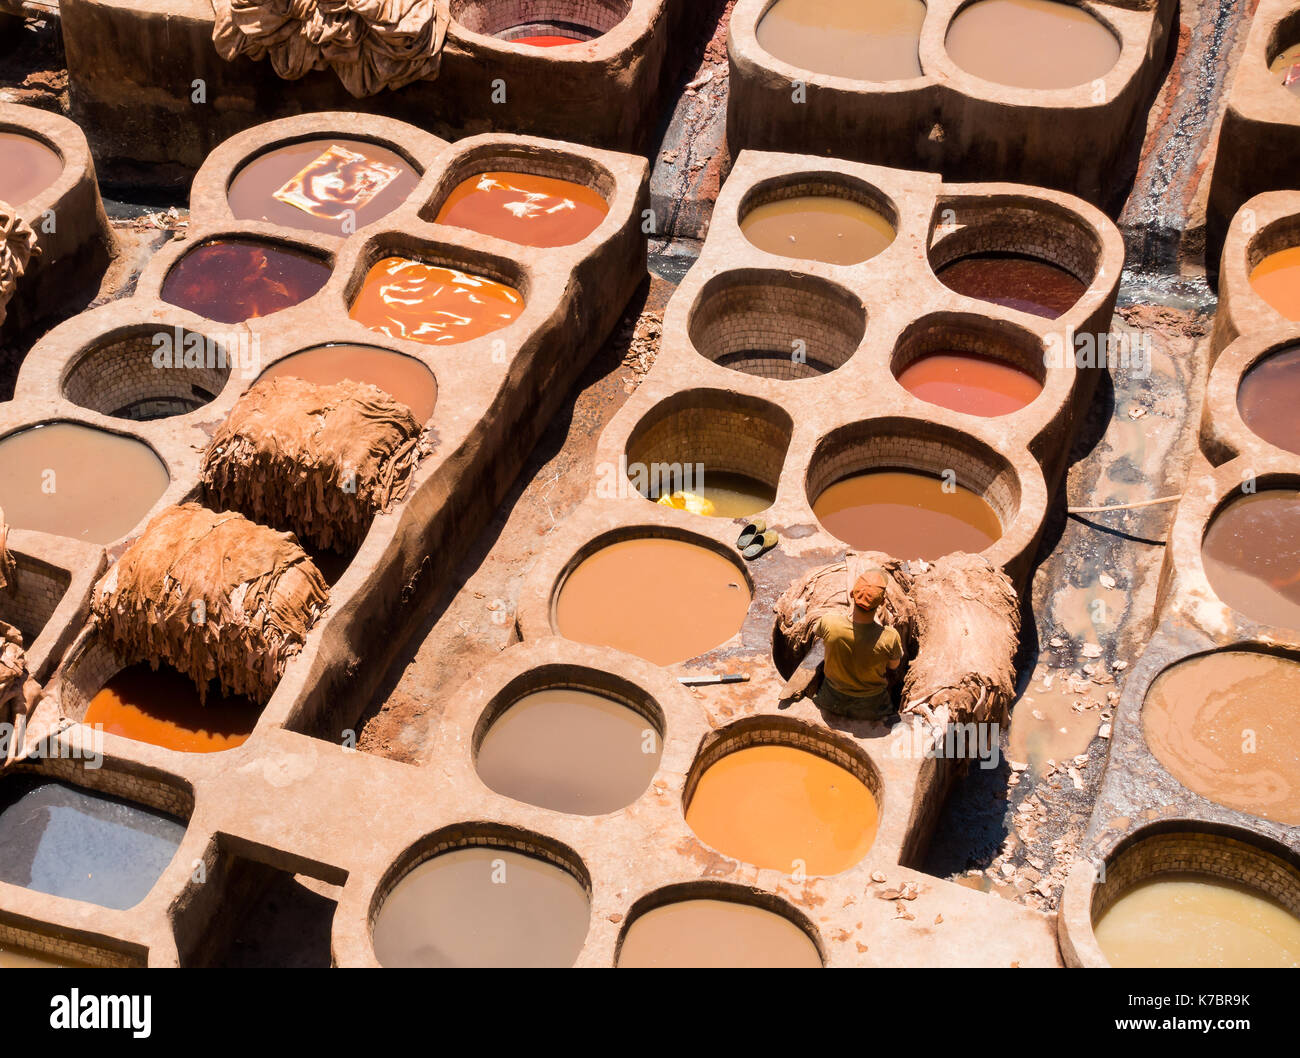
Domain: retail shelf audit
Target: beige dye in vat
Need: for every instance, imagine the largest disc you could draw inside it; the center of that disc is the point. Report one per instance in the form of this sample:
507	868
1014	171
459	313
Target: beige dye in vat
1197	920
721	934
25	959
402	377
823	228
1251	555
876	41
30	168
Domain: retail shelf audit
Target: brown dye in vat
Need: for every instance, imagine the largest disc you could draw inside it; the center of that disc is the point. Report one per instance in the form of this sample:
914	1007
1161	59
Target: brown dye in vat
427	303
823	228
483	907
29	168
1014	281
236	280
663	600
1268	397
163	709
570	751
1251	555
716	934
1031	43
778	807
875	41
1197	920
73	480
967	382
334	186
525	209
906	514
402	377
1226	726
1276	279
720	494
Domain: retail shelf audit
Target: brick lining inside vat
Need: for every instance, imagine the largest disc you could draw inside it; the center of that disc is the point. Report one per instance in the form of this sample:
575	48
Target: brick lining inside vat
949	332
494	17
912	444
727	432
30	601
118	377
1221	852
116	779
964	227
90	665
550	163
12	935
1282	234
832	185
767	312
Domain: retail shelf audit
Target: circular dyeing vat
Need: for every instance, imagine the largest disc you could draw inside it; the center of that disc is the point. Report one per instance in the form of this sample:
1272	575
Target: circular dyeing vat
74	843
483	907
402	377
876	41
162	707
30	168
822	228
1036	44
1276	279
716	934
1014	281
404	298
663	600
570	751
1251	555
1197	920
970	383
907	514
333	186
233	280
784	808
77	481
525	209
1226	726
1268	397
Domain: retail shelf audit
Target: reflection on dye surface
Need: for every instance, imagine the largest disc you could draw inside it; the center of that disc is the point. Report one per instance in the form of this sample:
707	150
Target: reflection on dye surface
664	600
76	481
966	382
162	708
824	228
483	907
1031	43
235	280
402	377
1269	396
426	303
530	210
334	186
29	168
1252	557
571	751
1276	279
1015	282
1197	920
719	494
906	514
1227	725
716	934
875	41
70	842
773	806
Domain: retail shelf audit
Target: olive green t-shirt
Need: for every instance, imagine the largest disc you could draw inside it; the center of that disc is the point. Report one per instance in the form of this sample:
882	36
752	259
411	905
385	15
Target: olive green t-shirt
858	655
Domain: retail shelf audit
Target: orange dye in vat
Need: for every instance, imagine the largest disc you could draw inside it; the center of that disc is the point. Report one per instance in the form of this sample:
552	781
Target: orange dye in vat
530	210
967	382
1276	279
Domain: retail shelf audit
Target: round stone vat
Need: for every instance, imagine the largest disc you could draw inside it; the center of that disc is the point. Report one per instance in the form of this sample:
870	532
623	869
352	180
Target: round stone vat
879	41
540	23
1225	725
402	377
911	489
482	895
784	796
776	324
819	217
1033	257
148	371
711	452
970	364
689	596
234	279
1283	53
709	925
78	481
1268	396
1189	895
1251	553
570	739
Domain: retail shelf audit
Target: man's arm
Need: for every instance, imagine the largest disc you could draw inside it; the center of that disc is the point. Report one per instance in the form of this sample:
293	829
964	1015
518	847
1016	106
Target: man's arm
802	677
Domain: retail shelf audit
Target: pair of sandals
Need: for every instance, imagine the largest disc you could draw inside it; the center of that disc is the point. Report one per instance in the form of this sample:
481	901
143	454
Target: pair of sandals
756	539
